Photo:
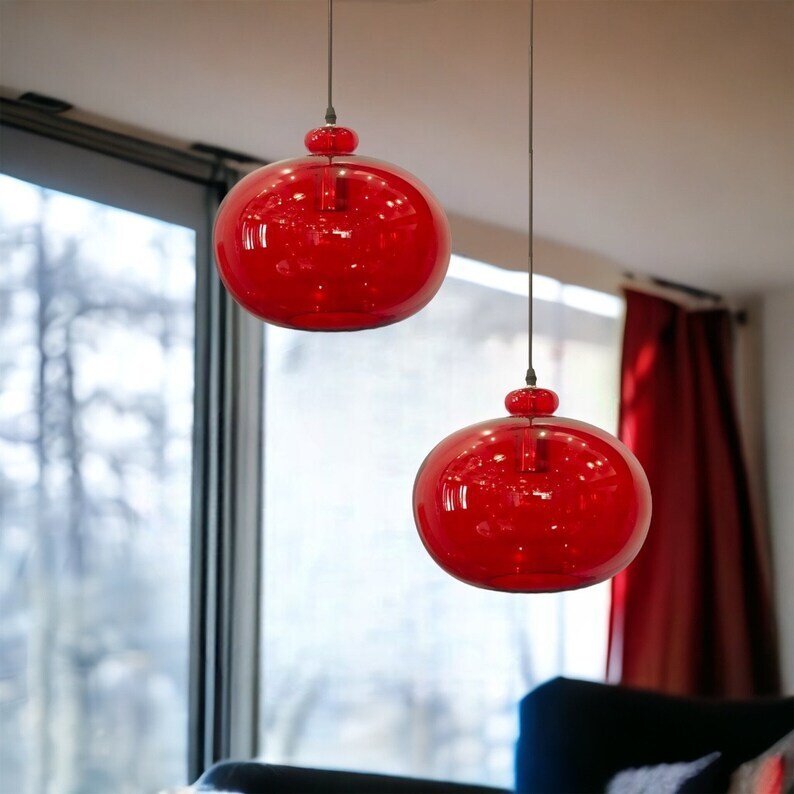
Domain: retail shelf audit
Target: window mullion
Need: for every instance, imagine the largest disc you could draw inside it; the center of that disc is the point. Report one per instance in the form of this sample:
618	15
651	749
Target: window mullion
226	526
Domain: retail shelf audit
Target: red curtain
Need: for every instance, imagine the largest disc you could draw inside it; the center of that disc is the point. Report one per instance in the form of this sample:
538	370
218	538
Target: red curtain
693	614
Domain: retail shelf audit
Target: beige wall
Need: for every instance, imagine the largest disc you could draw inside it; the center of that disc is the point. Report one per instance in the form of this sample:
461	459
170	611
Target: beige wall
662	129
507	248
778	412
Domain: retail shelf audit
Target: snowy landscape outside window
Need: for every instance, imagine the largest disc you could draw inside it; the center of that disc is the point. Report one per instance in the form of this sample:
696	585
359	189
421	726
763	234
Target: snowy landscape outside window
96	391
373	658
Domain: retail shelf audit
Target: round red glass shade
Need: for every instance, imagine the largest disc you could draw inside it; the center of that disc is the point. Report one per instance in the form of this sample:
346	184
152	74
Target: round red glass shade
331	241
532	503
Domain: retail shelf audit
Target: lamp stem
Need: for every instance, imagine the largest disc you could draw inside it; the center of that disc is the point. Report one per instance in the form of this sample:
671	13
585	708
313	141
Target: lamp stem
330	113
531	378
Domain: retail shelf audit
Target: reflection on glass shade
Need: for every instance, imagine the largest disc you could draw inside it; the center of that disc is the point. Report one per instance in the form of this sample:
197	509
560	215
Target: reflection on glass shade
532	503
331	241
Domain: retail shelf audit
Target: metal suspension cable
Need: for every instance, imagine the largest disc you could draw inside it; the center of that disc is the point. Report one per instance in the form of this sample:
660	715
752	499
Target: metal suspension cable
330	113
531	378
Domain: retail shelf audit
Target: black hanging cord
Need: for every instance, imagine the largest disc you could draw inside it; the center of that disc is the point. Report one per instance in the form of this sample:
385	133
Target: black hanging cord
330	113
531	378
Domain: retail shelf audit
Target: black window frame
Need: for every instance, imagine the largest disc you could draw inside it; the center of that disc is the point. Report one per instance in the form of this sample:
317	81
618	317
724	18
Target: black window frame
226	509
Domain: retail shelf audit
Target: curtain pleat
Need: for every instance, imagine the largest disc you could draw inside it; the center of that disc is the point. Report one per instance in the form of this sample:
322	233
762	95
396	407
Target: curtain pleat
693	614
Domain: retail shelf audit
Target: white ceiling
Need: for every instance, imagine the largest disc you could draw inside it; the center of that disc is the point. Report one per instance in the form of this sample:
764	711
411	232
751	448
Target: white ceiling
664	130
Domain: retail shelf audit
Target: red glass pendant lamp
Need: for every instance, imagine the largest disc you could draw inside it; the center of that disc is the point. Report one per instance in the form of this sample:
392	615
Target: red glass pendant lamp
531	502
331	241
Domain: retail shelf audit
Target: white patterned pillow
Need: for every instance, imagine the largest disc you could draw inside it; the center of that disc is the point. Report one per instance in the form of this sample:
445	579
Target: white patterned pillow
659	779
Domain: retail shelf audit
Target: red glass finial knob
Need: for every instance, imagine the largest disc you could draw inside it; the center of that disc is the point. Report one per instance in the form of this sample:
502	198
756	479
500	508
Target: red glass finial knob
532	401
331	140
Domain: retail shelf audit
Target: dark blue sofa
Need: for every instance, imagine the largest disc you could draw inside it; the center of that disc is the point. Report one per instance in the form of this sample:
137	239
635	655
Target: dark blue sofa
575	736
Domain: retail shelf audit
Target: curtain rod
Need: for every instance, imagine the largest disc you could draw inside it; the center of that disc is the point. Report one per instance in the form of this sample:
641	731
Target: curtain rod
694	292
740	315
47	116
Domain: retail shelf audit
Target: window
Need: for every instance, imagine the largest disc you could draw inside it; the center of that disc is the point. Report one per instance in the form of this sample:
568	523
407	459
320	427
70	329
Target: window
96	418
372	657
130	570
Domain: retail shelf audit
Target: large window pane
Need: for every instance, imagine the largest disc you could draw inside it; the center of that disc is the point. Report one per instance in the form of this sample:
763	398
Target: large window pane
96	386
373	658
